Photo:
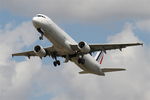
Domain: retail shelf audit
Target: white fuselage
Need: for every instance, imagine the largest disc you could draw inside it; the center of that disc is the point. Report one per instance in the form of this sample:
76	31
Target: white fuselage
62	41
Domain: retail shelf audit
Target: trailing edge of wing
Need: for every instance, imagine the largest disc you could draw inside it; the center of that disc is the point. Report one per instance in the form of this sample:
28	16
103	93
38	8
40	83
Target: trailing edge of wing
49	50
104	47
28	54
97	47
112	69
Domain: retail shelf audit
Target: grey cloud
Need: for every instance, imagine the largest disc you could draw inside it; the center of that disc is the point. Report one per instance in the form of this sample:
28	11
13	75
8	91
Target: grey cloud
86	10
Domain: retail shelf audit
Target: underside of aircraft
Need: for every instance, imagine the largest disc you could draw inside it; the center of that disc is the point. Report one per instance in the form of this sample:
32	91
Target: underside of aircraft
64	46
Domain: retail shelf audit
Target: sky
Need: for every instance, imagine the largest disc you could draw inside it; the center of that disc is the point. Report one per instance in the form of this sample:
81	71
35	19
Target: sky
93	21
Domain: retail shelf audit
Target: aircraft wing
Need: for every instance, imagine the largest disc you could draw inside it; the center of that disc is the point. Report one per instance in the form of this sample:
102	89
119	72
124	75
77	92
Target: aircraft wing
105	70
112	69
104	47
28	54
49	51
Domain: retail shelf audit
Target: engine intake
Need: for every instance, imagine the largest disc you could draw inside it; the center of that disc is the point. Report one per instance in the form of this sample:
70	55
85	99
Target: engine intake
39	50
84	47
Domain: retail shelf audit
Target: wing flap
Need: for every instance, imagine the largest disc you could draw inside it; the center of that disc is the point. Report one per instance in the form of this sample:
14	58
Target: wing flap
49	51
97	47
28	54
112	69
104	47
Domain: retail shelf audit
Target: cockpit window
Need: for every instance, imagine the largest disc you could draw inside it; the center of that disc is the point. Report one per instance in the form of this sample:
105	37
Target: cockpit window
41	16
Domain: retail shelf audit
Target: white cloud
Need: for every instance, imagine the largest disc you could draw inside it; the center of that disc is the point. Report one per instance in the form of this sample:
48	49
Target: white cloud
18	85
16	77
81	9
64	82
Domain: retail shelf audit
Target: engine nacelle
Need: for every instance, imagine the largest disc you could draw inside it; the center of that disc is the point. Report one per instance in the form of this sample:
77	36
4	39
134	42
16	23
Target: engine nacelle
39	50
84	47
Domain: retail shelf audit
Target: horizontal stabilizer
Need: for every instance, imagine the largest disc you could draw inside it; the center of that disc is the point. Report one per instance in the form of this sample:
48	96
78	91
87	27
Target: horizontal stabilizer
83	72
112	69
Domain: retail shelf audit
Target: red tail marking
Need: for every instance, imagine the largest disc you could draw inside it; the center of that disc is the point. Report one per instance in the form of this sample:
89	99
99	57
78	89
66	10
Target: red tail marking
101	60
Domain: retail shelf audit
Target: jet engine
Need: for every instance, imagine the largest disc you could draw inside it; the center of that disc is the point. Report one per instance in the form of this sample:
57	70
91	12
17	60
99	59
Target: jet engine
84	47
39	50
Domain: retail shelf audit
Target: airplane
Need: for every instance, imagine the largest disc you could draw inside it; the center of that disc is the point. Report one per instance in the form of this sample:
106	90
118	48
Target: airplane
66	47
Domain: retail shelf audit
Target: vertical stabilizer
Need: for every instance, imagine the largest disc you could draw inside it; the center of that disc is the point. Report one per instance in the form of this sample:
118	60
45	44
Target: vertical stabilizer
99	57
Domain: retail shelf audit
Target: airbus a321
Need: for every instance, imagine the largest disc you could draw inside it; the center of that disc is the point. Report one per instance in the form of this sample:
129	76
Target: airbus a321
66	47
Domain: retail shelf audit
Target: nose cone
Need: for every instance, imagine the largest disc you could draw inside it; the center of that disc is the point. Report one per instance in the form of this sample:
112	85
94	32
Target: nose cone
36	22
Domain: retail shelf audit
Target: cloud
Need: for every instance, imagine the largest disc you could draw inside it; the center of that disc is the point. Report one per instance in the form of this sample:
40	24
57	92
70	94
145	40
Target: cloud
65	83
82	10
20	80
16	77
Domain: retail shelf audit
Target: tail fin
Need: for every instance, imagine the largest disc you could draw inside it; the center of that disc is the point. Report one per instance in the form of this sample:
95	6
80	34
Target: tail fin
112	69
99	57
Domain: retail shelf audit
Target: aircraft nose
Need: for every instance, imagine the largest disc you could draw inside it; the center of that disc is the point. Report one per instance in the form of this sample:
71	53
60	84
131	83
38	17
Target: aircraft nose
36	22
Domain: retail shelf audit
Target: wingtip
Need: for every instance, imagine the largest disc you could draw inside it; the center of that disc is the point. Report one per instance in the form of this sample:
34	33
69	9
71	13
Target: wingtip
12	55
121	69
124	69
141	44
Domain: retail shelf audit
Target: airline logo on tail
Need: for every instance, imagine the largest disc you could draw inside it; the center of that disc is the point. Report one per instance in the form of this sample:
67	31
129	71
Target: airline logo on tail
99	57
